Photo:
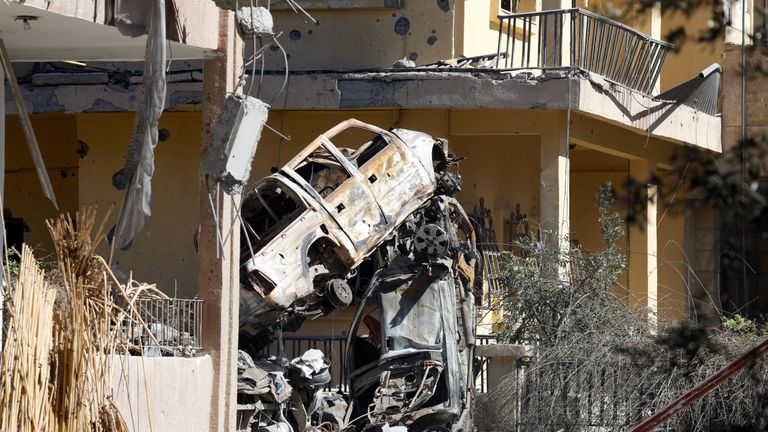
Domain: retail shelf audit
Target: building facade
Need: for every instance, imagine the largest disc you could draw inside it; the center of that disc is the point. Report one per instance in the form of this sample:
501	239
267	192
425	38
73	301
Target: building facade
547	100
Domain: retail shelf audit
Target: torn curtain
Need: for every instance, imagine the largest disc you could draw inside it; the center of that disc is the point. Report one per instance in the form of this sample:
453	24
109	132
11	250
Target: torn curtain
140	161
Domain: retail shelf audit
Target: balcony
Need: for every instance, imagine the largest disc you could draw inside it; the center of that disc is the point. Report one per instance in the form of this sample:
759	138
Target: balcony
87	30
566	38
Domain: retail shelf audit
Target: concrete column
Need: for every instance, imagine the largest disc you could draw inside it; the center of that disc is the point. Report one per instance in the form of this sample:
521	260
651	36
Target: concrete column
505	380
2	192
702	225
558	34
650	24
218	273
555	182
643	269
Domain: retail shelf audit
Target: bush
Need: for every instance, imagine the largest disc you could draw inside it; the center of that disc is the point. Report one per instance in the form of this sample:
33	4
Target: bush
600	364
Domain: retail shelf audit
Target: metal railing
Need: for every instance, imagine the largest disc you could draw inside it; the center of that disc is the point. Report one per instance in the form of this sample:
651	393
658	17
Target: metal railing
569	396
561	38
334	347
172	326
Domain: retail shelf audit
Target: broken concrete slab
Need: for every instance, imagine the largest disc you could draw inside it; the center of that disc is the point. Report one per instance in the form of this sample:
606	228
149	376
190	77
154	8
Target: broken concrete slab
283	5
254	20
503	350
69	78
235	138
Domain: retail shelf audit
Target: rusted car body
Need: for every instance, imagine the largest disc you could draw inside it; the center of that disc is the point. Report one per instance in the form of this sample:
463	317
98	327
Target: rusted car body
314	221
419	310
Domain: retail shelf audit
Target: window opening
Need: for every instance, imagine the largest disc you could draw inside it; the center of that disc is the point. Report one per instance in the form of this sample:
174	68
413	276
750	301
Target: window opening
266	211
507	6
370	149
322	171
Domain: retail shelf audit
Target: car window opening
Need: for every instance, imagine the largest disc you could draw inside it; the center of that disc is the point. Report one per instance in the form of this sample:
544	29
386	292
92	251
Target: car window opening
370	149
323	172
273	210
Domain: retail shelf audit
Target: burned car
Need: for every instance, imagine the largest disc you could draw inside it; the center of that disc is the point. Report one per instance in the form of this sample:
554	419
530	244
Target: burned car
415	368
312	223
375	228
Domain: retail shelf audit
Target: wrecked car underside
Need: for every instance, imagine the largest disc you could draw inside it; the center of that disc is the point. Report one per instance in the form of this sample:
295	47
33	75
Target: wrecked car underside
375	229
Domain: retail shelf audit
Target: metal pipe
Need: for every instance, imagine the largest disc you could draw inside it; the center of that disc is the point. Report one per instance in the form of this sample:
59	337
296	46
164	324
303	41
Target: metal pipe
572	44
628	64
530	31
498	46
581	37
658	68
507	60
514	32
608	45
593	28
703	388
646	71
641	61
543	47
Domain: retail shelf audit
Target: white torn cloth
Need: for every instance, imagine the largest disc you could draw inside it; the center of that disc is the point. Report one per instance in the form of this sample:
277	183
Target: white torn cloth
140	161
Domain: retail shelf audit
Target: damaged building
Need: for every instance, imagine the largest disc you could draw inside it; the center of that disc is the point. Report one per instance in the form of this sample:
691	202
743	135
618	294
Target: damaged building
337	264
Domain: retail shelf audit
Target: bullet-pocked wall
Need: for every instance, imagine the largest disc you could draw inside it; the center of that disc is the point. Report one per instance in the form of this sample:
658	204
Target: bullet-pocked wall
57	137
164	252
374	33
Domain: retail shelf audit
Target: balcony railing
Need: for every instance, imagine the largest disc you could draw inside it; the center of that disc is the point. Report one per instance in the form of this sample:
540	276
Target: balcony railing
575	37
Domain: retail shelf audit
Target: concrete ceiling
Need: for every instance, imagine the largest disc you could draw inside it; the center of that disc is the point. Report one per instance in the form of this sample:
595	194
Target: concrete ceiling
59	37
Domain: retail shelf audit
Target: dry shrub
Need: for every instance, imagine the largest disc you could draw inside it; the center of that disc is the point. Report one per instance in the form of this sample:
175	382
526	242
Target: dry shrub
62	328
602	365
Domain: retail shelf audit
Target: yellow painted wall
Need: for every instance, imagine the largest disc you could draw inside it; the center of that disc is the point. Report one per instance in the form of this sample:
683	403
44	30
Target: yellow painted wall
503	169
163	253
480	25
369	36
672	261
467	28
585	227
691	56
56	135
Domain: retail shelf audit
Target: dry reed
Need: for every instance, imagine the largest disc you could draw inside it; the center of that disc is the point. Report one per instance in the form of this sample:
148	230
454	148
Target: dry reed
62	330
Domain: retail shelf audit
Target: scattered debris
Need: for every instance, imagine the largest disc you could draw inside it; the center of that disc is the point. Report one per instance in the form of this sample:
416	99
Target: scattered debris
403	63
308	226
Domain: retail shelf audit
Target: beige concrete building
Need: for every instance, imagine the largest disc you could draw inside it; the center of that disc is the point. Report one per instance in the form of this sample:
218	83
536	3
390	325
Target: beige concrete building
553	102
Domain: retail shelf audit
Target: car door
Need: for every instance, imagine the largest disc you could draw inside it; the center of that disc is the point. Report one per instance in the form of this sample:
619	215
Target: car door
354	207
398	181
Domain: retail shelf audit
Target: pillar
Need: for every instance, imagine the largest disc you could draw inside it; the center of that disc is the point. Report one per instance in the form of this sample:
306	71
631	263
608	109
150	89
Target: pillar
218	272
558	35
703	250
650	24
643	269
2	194
555	182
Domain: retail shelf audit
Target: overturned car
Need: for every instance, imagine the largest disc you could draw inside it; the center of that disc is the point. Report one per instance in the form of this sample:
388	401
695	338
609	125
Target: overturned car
374	227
